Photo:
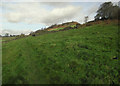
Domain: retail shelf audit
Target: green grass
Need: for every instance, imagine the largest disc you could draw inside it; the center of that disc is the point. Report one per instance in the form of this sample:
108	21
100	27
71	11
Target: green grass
74	56
72	25
57	29
0	39
7	38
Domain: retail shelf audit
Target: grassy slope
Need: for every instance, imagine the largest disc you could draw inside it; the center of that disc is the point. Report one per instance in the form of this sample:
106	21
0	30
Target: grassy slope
7	38
74	56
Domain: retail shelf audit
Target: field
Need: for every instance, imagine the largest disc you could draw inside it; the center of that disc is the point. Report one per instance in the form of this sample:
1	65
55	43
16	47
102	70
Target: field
87	55
0	39
7	38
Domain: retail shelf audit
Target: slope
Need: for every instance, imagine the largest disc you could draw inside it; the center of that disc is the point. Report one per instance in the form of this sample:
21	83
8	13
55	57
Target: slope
87	55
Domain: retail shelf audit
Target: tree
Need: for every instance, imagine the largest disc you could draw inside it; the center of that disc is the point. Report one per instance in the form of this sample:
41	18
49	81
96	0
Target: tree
6	34
114	13
11	35
86	19
22	35
107	11
31	33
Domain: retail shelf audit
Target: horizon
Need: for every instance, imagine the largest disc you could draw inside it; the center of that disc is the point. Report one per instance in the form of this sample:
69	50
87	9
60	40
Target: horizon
37	15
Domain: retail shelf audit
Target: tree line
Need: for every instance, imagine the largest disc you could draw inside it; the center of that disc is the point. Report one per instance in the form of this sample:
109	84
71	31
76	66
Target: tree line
108	11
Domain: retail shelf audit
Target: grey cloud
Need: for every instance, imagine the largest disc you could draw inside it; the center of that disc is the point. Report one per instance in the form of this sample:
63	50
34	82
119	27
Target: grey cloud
92	9
56	4
35	13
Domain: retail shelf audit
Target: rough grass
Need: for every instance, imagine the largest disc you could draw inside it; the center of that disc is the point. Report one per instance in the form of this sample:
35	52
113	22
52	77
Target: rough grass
75	56
56	29
60	28
7	38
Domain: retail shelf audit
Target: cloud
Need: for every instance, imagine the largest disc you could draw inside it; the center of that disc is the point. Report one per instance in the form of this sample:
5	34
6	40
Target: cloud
58	0
0	29
56	4
61	14
92	10
40	13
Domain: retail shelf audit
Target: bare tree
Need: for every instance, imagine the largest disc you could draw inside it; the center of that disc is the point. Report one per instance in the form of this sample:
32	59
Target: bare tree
86	19
6	34
22	35
11	35
31	33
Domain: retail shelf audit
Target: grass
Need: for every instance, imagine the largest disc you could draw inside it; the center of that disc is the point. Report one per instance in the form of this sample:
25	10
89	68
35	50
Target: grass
7	38
57	29
0	39
74	56
60	28
72	25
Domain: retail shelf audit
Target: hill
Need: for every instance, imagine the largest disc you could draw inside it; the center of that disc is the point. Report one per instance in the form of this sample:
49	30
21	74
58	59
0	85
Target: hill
87	55
62	26
56	28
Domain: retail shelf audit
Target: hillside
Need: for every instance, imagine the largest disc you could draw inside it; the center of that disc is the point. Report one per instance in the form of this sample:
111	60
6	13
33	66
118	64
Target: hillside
62	26
88	55
57	27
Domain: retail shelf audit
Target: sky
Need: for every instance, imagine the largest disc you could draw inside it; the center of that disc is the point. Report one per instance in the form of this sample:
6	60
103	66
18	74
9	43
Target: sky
24	17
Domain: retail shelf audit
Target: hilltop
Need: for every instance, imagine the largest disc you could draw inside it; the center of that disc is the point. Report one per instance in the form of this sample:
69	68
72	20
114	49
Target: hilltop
69	25
62	26
57	27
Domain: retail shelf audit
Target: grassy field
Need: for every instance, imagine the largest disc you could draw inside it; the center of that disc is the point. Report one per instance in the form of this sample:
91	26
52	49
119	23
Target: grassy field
7	38
0	39
76	56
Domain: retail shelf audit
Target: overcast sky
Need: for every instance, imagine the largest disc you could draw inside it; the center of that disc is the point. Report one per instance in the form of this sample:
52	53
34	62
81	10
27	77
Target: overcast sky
24	17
